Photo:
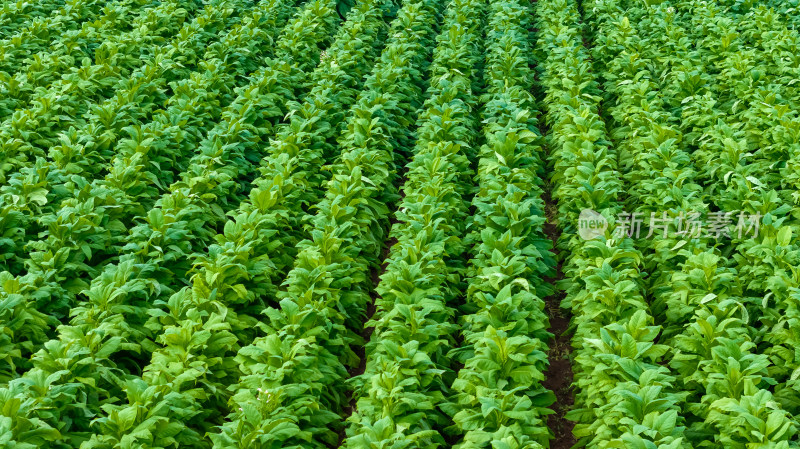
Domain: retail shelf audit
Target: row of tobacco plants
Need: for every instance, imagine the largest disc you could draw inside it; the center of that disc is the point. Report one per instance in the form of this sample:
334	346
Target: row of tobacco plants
320	223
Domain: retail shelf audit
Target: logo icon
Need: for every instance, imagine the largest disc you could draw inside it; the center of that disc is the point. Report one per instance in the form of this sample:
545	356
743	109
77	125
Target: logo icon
591	224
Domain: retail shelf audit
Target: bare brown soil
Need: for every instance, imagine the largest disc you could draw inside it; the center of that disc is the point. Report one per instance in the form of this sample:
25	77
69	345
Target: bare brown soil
558	377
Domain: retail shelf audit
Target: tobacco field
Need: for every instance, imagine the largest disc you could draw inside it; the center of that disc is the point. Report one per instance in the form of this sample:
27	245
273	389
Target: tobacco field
398	224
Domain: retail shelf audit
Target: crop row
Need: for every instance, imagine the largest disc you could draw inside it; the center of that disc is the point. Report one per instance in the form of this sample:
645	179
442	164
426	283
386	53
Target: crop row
195	364
701	293
752	334
401	396
316	223
624	397
757	141
701	361
290	391
96	220
498	398
112	321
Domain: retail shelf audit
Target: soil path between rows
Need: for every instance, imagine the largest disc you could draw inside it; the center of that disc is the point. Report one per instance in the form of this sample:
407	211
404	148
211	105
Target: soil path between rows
558	377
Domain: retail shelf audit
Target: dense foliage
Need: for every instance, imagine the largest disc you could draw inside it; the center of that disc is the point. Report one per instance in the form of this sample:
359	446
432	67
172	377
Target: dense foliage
351	223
